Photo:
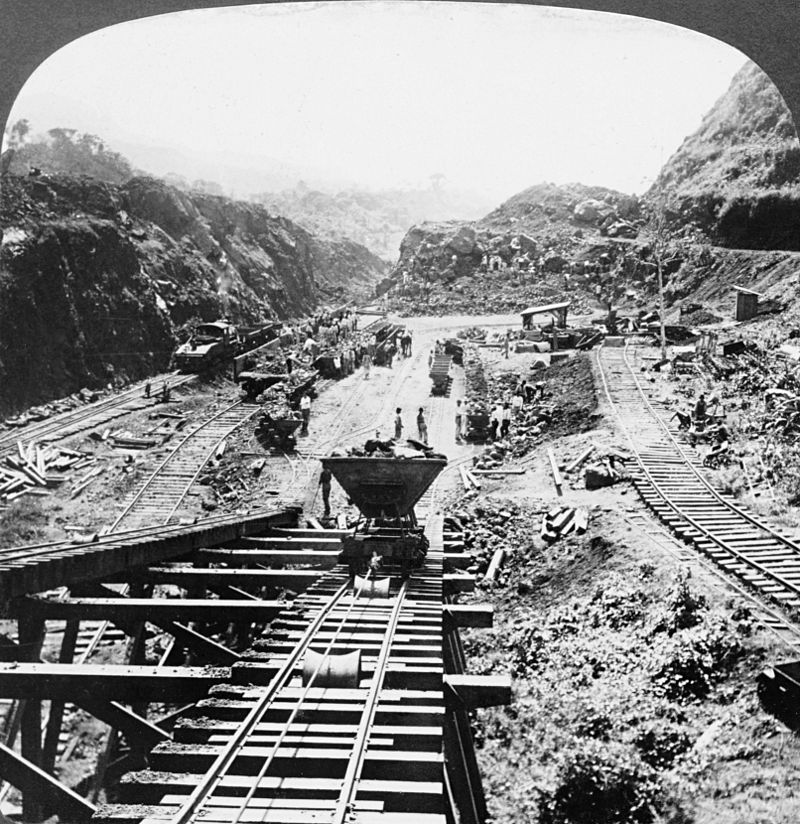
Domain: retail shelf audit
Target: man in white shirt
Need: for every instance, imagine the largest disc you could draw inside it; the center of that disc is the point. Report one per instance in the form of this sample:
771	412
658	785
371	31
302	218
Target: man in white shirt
305	411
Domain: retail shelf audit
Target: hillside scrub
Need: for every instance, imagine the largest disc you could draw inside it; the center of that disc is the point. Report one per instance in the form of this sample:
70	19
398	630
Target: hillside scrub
625	671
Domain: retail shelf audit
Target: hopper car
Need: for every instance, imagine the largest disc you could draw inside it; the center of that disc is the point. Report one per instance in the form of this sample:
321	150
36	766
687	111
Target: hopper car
385	491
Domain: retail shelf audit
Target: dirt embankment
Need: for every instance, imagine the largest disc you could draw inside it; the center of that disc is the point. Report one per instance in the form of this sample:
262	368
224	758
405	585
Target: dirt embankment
95	279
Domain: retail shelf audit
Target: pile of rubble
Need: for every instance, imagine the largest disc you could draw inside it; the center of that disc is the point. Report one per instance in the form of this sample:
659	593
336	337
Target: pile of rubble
47	410
377	448
37	469
491	532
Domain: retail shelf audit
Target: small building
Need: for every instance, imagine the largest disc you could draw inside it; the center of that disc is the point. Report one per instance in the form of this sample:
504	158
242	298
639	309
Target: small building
557	310
746	303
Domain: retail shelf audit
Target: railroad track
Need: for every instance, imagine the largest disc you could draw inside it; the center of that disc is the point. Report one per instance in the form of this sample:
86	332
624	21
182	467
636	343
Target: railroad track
159	498
286	741
671	481
89	416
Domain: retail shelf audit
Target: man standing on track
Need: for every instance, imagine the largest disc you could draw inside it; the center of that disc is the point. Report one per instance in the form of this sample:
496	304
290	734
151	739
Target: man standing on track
459	422
422	427
398	425
325	482
305	411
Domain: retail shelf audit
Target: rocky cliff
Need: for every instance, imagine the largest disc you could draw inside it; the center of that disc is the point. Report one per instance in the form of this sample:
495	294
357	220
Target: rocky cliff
96	279
737	178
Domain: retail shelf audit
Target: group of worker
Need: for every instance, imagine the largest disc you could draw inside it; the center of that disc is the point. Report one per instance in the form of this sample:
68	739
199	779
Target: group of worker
422	425
706	422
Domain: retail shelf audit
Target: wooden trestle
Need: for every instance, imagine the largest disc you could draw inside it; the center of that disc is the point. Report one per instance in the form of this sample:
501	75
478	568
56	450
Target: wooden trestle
263	735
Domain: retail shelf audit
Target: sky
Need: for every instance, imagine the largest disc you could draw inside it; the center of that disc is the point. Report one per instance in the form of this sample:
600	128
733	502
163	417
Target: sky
381	94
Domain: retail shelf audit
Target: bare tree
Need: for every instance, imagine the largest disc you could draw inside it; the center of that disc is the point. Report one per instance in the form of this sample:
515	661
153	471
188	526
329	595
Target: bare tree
660	240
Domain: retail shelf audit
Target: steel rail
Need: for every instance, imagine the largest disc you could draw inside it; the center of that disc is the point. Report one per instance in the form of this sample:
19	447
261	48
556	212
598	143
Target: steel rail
356	763
222	763
654	483
175	451
298	705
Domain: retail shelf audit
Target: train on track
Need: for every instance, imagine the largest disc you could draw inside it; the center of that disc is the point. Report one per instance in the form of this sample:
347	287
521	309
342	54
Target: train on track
214	343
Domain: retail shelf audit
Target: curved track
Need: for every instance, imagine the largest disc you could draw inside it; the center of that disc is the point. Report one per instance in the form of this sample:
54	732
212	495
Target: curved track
671	481
161	495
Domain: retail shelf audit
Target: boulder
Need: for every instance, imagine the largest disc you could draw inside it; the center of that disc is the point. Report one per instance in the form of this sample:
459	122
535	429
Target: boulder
591	211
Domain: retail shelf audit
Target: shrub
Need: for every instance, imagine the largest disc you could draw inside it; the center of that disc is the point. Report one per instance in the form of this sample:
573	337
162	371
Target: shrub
600	783
682	608
687	665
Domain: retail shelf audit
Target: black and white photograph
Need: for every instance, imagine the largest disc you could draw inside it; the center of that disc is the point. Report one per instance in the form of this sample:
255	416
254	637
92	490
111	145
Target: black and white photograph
399	412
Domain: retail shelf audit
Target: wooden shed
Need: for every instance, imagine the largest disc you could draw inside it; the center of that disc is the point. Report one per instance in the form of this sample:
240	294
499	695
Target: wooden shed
746	303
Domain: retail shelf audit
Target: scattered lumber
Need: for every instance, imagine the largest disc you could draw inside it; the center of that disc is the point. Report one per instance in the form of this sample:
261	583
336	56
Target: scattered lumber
37	468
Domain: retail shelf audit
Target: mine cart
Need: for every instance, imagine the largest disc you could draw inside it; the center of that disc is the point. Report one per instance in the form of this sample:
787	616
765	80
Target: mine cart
454	347
385	490
440	374
254	383
477	426
278	432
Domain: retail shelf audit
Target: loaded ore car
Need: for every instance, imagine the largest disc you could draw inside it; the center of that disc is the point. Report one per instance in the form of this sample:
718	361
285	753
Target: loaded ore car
209	344
385	491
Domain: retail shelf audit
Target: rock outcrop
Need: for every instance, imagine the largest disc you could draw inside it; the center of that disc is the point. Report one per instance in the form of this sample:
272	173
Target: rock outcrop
96	279
737	178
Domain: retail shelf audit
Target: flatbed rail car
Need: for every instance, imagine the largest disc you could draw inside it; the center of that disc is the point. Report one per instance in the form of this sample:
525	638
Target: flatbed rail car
385	491
779	692
440	373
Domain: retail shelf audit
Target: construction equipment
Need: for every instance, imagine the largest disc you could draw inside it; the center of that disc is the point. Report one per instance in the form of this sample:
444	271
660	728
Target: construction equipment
385	491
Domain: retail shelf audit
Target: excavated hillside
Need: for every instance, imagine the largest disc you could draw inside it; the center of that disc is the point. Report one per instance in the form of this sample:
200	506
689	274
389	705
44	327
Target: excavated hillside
540	229
97	279
737	178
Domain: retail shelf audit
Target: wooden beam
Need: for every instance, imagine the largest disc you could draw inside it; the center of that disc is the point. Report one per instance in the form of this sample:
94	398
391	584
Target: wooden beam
56	715
460	582
155	610
31	637
125	684
469	615
245	557
288	542
136	729
190	577
473	691
308	533
556	473
458	560
53	795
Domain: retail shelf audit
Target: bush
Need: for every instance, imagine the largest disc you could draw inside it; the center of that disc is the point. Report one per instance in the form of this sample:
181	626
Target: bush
600	783
689	663
683	608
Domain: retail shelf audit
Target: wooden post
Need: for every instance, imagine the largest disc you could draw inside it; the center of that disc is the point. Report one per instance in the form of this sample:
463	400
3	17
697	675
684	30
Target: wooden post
554	469
66	656
31	636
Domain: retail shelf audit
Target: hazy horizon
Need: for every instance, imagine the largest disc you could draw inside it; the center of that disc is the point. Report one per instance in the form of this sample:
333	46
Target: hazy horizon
384	95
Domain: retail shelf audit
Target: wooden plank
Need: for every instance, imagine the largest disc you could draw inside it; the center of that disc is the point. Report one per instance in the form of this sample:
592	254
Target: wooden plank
187	577
475	691
111	682
469	615
245	557
287	542
155	610
554	470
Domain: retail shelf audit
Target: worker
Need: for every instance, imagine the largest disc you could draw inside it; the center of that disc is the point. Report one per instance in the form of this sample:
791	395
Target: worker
311	347
700	412
422	427
325	483
305	411
459	421
289	364
507	342
165	392
147	389
715	410
391	351
398	424
721	438
494	420
505	419
516	403
366	362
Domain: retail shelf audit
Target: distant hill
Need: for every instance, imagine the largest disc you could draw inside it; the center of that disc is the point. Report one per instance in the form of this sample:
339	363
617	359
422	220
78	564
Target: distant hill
737	178
376	219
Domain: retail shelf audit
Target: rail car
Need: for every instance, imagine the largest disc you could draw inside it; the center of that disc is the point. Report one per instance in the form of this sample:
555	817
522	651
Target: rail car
213	343
385	491
209	344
